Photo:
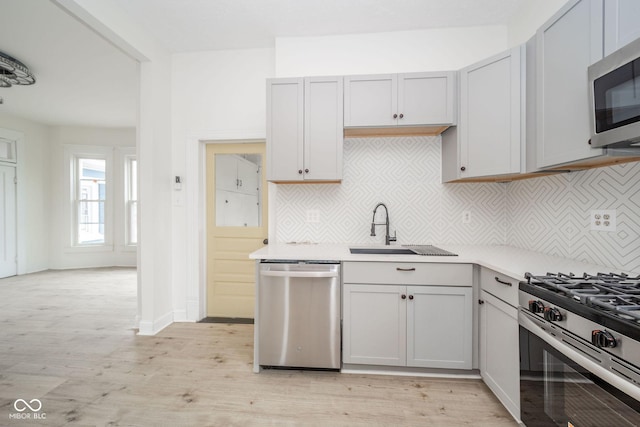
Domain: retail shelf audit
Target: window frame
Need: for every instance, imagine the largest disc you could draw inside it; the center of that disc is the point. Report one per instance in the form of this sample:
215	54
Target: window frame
73	153
128	157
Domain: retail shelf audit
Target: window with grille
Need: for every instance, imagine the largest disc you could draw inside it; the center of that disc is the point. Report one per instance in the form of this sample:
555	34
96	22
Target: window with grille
91	196
131	196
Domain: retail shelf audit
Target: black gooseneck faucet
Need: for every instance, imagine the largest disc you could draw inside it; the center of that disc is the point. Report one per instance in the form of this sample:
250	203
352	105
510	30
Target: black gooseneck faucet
387	239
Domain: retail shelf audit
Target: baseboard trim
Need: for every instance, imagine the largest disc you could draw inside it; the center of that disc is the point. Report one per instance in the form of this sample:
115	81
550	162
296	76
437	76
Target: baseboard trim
152	328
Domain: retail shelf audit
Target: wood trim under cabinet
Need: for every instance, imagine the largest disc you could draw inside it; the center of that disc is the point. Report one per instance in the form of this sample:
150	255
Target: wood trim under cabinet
394	131
595	163
306	182
573	167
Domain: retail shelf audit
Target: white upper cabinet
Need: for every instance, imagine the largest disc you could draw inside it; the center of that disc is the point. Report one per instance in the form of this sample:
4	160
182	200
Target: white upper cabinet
304	129
370	100
323	128
285	129
411	99
489	137
621	23
567	44
426	99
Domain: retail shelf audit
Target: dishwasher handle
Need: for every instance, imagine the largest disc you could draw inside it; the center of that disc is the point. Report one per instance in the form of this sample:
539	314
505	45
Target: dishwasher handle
313	274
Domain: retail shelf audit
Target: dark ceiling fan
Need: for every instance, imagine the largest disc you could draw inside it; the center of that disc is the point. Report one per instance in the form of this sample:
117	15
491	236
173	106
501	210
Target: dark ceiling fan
14	72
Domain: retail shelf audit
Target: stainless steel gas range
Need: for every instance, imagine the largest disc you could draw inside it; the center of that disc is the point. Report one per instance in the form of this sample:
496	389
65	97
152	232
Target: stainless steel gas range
580	350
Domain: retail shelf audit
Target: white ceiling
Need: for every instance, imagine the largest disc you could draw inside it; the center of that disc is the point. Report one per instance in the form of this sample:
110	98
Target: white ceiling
83	80
191	25
80	78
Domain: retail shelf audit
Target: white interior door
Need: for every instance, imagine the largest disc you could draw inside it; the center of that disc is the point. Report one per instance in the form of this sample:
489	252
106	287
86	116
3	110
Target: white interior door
8	224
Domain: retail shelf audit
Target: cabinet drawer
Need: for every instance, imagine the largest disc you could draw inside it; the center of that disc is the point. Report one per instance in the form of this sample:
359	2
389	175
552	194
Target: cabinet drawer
500	285
407	273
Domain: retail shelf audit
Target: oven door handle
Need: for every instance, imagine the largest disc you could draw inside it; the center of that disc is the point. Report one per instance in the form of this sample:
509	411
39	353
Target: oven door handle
586	363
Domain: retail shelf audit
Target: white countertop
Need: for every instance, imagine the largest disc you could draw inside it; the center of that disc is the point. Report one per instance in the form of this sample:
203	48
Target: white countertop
507	260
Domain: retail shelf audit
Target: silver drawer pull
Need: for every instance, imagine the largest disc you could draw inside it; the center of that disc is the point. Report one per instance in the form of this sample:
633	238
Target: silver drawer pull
406	269
502	281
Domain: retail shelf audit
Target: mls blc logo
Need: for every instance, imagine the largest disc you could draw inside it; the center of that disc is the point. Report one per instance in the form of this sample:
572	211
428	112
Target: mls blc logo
27	410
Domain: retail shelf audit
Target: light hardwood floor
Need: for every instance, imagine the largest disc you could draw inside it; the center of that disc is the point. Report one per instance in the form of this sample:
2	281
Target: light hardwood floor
67	340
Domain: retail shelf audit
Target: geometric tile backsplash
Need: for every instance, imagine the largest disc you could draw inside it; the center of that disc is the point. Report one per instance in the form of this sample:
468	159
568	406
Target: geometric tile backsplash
546	214
552	215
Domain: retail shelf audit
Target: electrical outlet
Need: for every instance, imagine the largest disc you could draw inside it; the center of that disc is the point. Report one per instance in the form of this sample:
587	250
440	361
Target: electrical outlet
603	220
313	216
466	217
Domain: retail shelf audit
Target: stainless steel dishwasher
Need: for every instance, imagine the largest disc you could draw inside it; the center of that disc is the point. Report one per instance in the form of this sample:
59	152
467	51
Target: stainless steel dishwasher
299	314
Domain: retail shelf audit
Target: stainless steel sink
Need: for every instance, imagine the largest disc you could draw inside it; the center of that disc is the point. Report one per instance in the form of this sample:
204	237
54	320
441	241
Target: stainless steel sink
382	251
426	250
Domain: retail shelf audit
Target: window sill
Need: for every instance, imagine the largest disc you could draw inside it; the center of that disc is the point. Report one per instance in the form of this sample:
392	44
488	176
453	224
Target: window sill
89	248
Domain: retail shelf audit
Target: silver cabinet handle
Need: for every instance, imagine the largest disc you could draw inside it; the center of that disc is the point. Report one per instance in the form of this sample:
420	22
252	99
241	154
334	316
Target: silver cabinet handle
502	281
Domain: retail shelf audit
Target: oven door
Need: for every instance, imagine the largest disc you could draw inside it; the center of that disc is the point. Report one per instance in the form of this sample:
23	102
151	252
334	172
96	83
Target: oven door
556	390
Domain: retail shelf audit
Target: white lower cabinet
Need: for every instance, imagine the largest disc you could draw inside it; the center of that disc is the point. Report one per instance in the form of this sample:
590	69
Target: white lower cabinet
499	338
439	327
374	327
407	325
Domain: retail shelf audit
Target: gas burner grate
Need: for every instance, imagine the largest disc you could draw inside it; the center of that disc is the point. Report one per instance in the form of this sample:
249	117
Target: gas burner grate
626	305
615	293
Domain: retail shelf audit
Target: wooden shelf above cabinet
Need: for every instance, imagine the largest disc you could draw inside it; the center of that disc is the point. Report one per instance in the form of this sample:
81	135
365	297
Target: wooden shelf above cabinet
372	132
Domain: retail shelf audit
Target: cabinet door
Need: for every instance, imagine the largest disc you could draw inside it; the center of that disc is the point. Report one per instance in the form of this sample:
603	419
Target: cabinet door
567	44
621	26
426	99
374	324
439	327
499	351
227	173
323	128
490	108
370	100
248	175
285	130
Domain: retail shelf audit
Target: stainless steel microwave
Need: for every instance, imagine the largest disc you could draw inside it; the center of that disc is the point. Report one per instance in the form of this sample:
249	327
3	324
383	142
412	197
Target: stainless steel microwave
615	98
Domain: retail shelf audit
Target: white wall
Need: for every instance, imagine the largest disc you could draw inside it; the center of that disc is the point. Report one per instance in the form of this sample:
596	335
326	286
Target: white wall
530	16
62	256
220	91
33	192
216	95
396	52
154	149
